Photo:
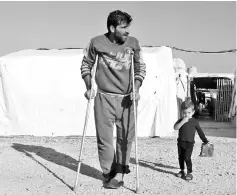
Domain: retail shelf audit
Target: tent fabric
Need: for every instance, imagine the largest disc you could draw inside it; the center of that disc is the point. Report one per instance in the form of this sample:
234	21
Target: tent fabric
181	82
233	106
215	75
181	78
42	94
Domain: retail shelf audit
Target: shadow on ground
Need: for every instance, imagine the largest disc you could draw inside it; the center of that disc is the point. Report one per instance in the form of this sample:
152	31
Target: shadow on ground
58	158
218	129
231	133
154	166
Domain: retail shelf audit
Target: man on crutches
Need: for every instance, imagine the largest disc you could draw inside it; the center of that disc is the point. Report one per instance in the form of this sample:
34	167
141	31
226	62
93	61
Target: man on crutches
113	104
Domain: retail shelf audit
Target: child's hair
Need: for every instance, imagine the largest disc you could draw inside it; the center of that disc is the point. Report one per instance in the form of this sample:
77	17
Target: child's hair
187	104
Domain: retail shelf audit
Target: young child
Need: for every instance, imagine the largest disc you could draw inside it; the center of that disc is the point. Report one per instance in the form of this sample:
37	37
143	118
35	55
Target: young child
187	127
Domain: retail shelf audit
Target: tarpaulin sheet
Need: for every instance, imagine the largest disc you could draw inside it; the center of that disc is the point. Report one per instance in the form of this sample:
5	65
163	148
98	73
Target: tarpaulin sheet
42	94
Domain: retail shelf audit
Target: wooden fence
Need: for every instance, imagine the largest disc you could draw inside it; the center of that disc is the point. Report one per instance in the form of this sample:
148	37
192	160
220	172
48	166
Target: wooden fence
223	99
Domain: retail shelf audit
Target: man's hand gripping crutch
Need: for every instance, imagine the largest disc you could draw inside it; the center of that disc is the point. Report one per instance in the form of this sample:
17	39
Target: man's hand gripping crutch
135	97
89	94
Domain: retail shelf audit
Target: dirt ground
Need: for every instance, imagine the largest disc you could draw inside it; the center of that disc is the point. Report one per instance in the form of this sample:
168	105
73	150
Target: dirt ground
47	165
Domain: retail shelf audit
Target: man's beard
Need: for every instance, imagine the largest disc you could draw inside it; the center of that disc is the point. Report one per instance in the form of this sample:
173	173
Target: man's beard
119	38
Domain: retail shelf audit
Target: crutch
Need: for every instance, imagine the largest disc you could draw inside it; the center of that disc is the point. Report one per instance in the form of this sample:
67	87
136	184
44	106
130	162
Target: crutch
135	121
85	125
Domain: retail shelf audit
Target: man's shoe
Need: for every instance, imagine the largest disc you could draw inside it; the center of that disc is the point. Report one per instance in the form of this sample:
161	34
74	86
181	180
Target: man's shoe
109	176
113	184
106	179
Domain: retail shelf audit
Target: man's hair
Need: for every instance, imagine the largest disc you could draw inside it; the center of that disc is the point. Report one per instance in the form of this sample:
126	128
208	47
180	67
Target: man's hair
115	18
187	104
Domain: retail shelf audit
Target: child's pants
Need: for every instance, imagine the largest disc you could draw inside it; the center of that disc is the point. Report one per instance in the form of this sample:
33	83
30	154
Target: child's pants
185	150
109	110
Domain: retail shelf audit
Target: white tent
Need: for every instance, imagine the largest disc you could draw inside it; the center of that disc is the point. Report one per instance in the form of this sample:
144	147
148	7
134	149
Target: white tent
42	94
233	106
181	78
181	82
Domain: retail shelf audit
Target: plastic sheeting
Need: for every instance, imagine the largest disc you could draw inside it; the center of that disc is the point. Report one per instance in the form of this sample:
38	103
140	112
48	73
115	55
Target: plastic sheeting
233	106
181	82
42	94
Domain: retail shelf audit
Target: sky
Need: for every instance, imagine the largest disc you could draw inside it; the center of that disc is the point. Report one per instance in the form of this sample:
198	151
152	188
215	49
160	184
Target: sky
189	25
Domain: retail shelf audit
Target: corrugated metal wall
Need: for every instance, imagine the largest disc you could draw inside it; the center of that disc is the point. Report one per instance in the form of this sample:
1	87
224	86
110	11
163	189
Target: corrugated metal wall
223	99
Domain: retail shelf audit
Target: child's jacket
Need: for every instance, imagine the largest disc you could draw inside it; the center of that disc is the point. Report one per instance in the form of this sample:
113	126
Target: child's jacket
188	130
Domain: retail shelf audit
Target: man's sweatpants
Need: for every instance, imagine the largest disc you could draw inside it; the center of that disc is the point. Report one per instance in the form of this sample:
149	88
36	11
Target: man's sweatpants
109	110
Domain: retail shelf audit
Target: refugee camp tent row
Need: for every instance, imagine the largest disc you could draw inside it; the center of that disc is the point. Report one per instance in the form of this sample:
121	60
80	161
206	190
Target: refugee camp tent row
219	87
42	94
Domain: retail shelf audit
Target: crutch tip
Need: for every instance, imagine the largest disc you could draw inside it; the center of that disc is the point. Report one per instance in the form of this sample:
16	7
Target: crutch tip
75	190
138	191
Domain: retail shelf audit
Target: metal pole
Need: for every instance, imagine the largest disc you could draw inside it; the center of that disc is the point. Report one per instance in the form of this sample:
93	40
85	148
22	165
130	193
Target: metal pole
135	121
85	126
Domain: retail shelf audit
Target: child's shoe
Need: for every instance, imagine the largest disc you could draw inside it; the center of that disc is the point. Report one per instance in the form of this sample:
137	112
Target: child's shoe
189	176
180	174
